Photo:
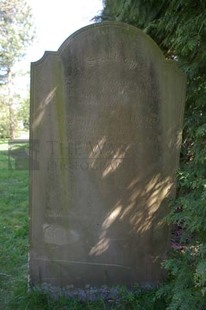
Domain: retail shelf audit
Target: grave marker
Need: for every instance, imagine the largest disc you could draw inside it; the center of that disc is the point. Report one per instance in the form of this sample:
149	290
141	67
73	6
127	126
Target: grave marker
107	112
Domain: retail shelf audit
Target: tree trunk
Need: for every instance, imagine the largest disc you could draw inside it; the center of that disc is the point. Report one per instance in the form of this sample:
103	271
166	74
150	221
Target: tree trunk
11	109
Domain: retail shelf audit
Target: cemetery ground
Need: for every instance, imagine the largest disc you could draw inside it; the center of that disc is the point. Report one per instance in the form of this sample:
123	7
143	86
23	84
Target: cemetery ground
14	292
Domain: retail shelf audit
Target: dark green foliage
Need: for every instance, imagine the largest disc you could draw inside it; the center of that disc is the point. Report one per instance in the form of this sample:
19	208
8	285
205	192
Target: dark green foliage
179	28
181	290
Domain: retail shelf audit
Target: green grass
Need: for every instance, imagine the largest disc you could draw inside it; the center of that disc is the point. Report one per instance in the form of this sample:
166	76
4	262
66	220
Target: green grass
13	228
14	254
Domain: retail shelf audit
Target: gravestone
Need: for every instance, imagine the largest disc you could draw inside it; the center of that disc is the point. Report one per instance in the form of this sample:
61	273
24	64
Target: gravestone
106	115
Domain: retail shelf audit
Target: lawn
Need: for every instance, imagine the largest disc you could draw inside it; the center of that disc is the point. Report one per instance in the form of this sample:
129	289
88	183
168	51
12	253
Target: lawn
14	294
13	228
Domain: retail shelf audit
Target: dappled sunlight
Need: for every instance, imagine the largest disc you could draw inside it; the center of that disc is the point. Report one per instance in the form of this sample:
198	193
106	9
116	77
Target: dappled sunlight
117	159
152	183
111	217
139	210
127	210
104	242
155	191
100	247
166	188
179	139
41	109
110	153
133	183
96	151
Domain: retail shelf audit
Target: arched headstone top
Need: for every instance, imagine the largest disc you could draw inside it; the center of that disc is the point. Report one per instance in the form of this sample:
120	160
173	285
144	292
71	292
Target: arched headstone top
104	27
131	32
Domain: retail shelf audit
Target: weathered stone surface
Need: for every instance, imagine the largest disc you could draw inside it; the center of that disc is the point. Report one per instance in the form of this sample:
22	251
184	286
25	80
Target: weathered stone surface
106	112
